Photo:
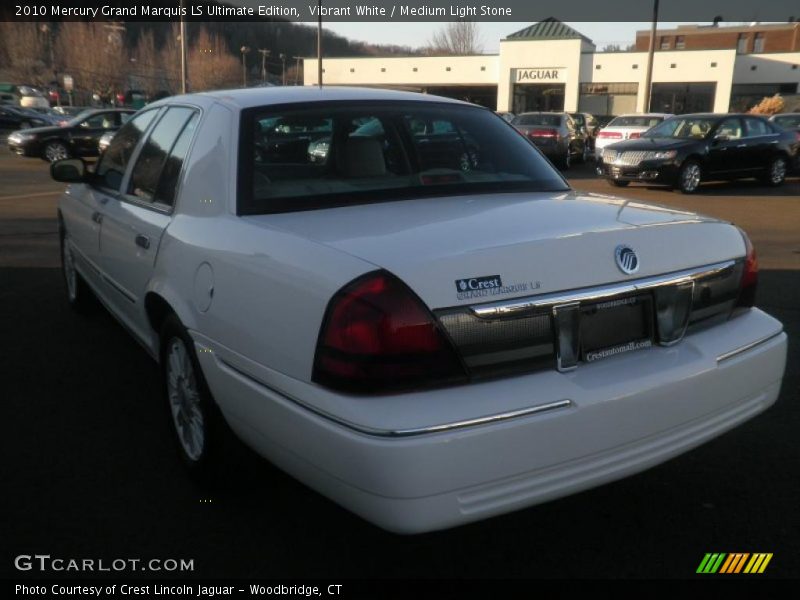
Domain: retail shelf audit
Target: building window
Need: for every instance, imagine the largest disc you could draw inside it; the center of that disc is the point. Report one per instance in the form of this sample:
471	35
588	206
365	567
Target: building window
352	70
634	66
741	44
758	43
753	67
414	69
598	67
383	69
713	65
665	43
680	42
672	65
447	68
483	68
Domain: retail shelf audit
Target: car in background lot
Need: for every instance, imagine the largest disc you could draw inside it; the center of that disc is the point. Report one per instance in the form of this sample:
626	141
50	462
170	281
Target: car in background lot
686	150
590	125
78	137
15	117
626	127
557	135
507	116
425	344
790	121
26	96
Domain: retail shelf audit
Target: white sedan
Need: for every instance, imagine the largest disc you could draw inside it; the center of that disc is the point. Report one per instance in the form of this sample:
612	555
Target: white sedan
423	322
626	127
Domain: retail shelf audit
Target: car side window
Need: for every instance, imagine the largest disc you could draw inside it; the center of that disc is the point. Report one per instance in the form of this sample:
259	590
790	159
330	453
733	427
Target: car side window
156	153
114	161
756	127
730	128
168	182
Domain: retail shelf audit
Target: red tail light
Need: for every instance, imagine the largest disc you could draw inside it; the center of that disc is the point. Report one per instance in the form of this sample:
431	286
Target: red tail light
378	336
545	133
749	284
609	135
635	135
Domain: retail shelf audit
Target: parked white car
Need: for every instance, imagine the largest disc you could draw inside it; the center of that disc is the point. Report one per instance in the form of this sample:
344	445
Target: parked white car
626	127
428	328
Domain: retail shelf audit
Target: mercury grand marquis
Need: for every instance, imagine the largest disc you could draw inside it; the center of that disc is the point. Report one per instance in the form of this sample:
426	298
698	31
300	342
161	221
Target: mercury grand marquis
398	300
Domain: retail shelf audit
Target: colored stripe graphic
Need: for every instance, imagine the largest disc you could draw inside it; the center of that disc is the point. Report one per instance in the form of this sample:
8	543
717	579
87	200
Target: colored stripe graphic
721	562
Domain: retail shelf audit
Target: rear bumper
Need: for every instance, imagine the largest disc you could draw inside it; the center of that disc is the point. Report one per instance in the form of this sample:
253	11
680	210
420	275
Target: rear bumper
622	415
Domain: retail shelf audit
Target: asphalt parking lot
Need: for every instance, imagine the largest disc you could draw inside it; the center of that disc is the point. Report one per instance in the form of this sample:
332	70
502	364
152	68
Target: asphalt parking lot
89	469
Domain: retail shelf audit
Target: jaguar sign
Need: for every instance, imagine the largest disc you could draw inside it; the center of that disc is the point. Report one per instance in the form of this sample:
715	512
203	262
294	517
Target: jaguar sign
540	75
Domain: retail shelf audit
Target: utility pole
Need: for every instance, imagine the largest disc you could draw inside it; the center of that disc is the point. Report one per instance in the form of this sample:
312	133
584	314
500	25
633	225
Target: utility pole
244	50
264	54
319	44
297	69
183	51
283	68
650	56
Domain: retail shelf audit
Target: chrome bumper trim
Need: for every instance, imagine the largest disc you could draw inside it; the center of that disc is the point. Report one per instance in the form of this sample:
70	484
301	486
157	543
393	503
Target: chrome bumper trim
520	306
741	350
394	433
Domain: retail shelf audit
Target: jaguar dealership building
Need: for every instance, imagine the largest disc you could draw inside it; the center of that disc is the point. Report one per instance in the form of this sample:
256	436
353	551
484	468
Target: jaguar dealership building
549	66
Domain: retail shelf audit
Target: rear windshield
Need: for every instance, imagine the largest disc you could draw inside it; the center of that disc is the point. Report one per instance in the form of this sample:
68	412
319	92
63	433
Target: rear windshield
545	120
335	154
788	121
636	121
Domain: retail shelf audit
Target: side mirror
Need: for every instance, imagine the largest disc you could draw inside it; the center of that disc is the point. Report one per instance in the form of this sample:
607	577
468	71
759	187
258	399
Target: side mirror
69	170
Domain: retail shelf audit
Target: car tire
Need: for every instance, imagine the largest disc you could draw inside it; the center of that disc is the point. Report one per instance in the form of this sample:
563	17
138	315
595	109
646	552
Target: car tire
617	183
79	295
775	174
196	422
54	151
689	177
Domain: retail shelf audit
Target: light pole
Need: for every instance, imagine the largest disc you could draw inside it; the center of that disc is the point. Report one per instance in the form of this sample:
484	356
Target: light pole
650	56
283	69
319	44
244	50
264	54
297	69
184	62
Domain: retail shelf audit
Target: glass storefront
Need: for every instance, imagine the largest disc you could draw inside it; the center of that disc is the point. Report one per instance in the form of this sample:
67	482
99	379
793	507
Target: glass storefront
608	98
531	97
745	96
681	98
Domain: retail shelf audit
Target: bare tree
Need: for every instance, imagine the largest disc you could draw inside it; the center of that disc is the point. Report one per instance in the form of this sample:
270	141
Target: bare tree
458	38
169	59
95	56
211	65
147	71
25	52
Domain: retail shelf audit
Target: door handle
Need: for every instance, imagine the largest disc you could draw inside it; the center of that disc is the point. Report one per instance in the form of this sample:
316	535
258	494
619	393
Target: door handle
143	241
97	217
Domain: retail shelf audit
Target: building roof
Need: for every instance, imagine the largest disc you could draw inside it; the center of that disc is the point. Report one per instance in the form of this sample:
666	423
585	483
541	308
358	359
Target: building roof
549	29
712	29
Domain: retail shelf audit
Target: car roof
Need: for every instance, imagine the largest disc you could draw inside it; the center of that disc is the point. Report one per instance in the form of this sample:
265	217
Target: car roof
643	115
262	96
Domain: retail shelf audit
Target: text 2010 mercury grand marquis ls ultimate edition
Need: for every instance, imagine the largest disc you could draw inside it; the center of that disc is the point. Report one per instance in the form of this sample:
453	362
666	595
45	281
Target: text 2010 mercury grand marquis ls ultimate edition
399	301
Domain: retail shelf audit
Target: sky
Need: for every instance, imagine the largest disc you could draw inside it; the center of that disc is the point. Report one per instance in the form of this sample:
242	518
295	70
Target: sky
417	34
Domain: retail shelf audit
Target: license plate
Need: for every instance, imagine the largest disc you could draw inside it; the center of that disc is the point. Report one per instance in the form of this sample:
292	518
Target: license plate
615	327
616	172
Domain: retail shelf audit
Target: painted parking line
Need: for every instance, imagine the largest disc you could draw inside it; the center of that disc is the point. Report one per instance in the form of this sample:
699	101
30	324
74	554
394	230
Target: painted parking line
36	195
